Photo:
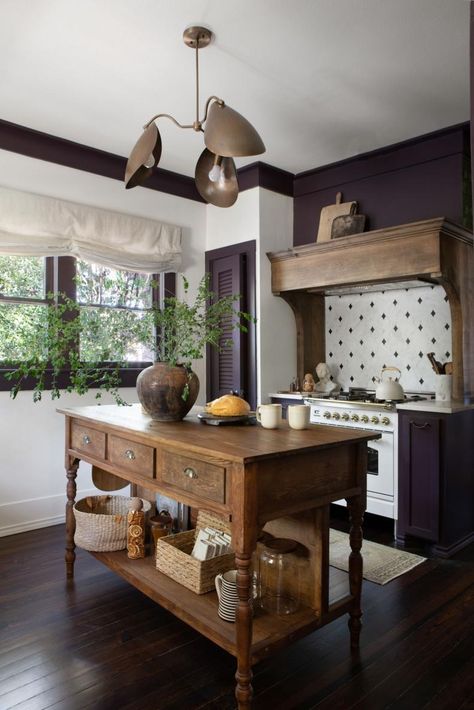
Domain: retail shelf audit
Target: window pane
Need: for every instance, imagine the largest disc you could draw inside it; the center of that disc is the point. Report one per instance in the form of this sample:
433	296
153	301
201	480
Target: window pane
22	327
99	285
116	335
22	276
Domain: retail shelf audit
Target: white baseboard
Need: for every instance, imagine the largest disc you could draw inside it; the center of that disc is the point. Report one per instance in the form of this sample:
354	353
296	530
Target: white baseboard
31	525
34	513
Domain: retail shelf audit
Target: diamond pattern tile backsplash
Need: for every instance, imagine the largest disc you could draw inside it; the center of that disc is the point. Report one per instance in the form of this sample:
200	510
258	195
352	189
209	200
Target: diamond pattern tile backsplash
368	331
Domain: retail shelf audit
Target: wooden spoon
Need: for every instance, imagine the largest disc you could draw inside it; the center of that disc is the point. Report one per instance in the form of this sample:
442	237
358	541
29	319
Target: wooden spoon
437	367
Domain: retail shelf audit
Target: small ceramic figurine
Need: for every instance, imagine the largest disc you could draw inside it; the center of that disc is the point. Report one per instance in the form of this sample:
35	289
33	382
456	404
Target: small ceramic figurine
325	385
135	529
308	382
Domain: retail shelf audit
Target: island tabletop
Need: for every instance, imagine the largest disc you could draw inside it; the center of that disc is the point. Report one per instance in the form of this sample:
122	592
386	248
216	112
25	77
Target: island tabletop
281	479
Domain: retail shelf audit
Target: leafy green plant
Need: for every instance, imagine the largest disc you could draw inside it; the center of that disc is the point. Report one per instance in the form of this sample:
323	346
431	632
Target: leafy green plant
176	334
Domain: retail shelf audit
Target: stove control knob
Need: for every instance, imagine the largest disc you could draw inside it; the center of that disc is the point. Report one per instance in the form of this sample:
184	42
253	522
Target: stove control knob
364	418
354	418
327	415
345	417
374	420
336	415
385	421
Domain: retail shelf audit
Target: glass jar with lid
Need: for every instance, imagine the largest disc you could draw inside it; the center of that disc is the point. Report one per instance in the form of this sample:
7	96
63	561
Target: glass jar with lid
279	577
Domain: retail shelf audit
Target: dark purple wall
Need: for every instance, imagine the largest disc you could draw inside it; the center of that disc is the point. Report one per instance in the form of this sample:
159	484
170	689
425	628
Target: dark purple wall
410	181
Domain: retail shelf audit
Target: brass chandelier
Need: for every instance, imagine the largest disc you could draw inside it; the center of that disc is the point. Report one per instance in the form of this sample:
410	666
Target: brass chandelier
227	134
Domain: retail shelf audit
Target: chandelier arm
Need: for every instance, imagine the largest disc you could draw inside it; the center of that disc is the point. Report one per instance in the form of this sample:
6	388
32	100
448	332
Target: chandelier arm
221	102
197	82
167	115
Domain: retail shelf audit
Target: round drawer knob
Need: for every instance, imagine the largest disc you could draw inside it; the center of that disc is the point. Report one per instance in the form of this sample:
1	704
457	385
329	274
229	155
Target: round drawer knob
86	439
190	472
130	455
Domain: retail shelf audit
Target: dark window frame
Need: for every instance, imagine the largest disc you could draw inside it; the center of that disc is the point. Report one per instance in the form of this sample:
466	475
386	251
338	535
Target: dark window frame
60	275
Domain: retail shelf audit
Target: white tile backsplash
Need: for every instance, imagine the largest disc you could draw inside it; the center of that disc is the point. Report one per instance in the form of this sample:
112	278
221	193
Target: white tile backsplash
368	331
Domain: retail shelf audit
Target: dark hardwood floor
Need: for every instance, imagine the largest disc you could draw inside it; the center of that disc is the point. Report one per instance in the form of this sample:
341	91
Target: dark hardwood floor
98	643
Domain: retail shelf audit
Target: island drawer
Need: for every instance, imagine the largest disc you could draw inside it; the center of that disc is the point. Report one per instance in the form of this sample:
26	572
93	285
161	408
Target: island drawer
205	480
88	440
131	456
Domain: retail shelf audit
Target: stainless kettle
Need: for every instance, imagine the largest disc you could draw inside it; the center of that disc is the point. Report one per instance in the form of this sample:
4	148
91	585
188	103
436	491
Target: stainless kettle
389	388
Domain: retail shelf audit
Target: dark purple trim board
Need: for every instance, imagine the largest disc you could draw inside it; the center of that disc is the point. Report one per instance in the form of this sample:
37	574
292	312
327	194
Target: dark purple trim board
410	181
35	144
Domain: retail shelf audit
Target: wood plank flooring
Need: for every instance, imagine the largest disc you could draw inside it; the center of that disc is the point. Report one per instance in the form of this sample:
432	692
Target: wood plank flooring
98	643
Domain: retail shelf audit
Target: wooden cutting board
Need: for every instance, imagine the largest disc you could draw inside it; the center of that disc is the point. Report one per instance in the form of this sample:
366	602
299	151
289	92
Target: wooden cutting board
329	213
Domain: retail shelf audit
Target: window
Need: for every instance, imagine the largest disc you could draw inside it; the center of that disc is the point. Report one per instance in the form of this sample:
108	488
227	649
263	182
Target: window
24	283
113	306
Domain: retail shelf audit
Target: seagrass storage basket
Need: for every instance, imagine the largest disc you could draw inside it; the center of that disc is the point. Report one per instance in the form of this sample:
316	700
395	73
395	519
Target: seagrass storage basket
173	556
101	522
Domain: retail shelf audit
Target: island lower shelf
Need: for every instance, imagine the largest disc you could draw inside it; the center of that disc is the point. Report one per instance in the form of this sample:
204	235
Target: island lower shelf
200	610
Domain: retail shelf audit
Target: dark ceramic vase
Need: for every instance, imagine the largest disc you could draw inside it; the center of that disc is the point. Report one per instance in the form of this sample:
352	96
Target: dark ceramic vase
160	390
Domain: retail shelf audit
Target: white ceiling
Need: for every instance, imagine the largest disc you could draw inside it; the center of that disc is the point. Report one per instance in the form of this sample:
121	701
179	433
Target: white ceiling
321	80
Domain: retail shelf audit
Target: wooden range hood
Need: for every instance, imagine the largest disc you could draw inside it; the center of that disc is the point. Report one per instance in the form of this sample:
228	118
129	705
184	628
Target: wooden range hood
431	251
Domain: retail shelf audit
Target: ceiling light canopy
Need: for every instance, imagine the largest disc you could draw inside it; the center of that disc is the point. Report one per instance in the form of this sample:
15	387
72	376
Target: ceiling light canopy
227	135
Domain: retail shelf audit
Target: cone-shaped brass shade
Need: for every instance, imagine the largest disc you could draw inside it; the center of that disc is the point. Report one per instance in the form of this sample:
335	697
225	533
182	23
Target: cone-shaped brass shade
148	145
229	134
224	191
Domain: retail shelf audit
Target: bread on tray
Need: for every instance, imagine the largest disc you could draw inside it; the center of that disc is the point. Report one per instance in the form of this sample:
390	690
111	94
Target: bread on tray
229	405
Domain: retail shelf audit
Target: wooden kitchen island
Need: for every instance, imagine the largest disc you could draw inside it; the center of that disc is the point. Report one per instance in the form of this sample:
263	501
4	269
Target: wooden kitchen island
283	479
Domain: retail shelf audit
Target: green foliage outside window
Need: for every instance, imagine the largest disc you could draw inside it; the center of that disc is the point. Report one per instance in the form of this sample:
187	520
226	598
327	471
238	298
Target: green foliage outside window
112	321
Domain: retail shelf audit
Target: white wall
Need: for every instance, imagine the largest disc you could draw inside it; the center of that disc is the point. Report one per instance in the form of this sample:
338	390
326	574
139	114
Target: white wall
276	358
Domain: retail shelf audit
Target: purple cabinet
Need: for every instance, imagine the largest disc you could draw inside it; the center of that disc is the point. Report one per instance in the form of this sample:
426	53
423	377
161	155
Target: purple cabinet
436	479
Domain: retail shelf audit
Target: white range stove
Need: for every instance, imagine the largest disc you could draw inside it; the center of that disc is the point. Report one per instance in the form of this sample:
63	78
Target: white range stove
359	410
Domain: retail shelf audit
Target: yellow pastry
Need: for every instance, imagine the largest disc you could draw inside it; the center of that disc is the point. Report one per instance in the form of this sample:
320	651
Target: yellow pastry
228	406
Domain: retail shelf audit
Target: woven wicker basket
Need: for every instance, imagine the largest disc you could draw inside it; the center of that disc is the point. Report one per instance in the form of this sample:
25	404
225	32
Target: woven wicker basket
101	522
173	556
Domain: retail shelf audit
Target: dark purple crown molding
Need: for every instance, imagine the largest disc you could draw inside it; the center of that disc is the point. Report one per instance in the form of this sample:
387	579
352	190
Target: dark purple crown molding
43	146
263	175
35	144
398	156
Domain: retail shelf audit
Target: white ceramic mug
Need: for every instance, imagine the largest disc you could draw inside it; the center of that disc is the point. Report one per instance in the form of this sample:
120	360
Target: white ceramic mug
226	588
298	415
443	387
269	415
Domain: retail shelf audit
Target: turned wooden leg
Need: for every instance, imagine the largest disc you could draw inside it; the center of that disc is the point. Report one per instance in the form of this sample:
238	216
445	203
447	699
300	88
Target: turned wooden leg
70	557
243	619
356	517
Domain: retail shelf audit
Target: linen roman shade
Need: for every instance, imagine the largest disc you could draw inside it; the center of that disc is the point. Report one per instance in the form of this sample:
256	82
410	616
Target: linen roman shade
34	225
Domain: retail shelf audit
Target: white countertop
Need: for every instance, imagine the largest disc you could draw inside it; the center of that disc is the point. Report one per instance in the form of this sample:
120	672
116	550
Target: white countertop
428	405
436	406
288	395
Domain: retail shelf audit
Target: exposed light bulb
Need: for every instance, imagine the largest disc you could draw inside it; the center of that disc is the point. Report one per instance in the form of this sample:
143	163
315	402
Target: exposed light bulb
216	173
150	161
